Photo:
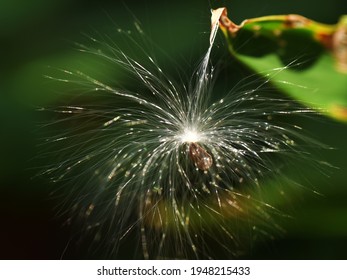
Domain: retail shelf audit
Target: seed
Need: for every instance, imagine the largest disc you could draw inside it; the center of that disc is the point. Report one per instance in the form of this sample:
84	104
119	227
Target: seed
202	159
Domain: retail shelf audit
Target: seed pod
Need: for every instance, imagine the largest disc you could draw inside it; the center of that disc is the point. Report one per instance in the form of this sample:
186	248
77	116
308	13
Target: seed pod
202	159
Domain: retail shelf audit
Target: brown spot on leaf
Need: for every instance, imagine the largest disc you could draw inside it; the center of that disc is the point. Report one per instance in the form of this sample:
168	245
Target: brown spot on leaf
226	23
339	112
339	43
277	32
325	39
295	21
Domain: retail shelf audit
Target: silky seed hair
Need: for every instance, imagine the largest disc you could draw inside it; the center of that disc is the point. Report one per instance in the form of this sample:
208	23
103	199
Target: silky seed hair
167	170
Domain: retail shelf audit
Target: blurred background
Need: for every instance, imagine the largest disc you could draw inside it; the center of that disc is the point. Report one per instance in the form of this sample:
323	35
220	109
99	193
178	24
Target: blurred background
37	34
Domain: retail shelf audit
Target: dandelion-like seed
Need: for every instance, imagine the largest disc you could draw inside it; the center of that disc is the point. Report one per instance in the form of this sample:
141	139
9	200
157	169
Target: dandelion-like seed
169	169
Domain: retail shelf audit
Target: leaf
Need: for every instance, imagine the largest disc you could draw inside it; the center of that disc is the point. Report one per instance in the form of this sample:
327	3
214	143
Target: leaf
312	56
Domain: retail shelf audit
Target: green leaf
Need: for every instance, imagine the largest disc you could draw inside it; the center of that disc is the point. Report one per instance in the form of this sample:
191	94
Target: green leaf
312	57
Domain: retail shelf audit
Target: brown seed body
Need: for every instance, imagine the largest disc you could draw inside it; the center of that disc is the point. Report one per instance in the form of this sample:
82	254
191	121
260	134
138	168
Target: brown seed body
202	159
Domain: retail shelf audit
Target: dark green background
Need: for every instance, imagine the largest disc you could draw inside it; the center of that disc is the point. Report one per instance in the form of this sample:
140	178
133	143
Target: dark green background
36	34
